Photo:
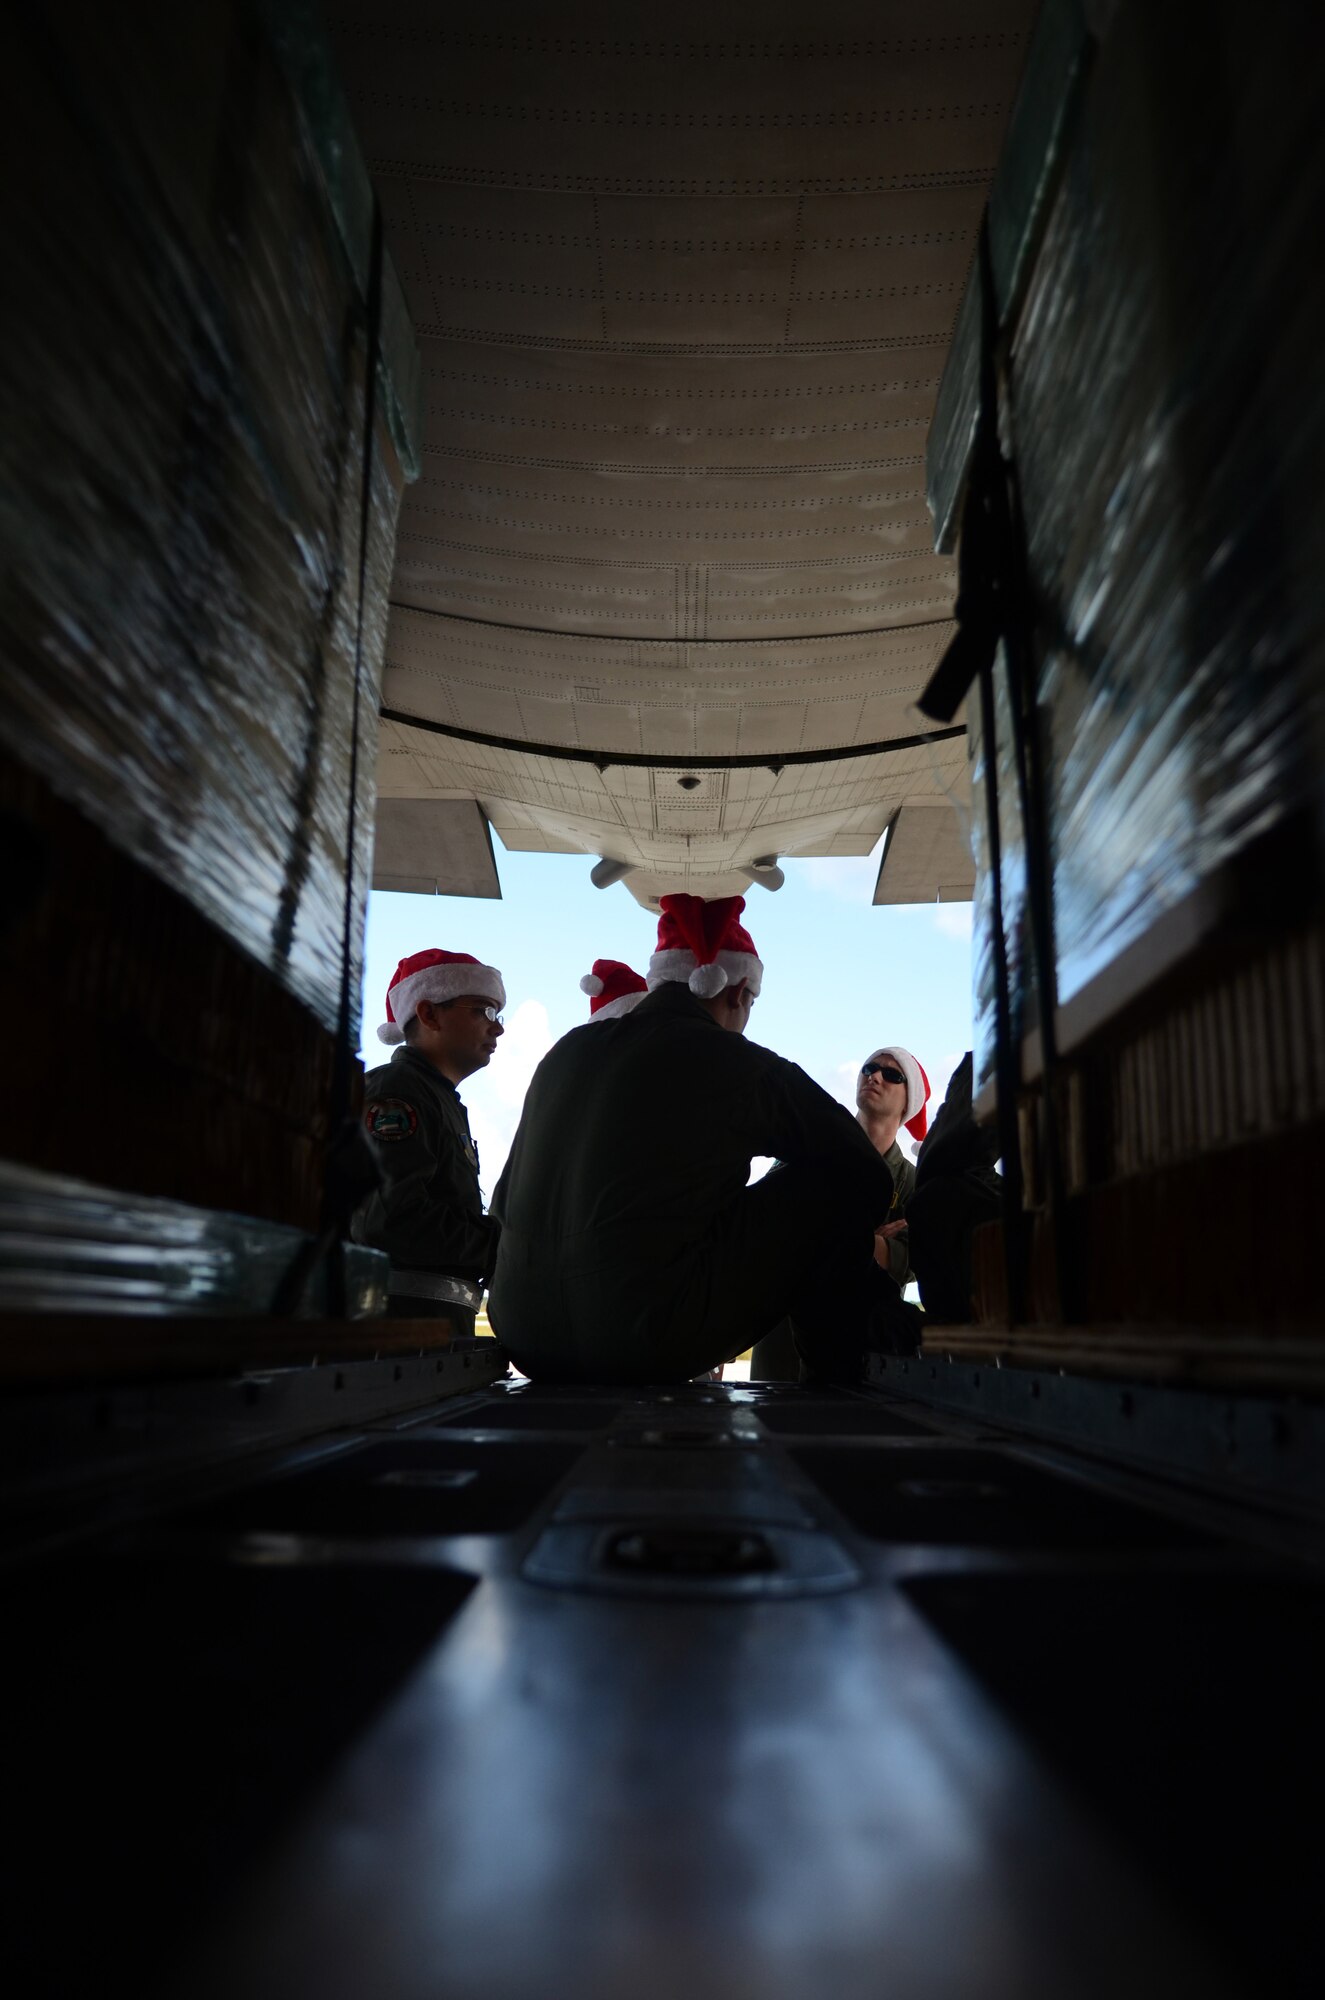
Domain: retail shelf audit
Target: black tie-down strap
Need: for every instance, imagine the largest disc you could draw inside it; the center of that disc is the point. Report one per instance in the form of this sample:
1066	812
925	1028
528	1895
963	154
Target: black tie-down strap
981	607
993	608
349	1172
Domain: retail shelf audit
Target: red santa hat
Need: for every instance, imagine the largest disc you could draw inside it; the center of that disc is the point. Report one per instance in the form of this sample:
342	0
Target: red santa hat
916	1116
613	989
435	975
704	944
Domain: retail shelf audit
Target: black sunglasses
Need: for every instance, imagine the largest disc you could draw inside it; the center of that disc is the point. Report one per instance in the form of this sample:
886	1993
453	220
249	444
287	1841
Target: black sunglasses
885	1070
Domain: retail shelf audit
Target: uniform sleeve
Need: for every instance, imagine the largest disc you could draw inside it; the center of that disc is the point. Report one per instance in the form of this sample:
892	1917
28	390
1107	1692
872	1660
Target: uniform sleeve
805	1126
899	1248
428	1211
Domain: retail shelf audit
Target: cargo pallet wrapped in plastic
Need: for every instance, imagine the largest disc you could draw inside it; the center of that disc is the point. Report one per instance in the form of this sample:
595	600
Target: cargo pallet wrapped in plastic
208	408
1137	360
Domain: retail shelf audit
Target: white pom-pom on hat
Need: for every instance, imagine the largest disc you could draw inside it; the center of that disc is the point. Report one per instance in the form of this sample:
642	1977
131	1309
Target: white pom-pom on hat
697	939
707	981
613	989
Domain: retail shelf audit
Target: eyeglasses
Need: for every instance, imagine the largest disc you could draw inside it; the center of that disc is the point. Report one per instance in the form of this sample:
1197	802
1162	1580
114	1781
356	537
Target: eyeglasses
493	1014
885	1070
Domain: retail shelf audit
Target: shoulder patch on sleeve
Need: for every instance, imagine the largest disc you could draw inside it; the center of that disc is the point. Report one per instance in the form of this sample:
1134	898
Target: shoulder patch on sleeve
390	1118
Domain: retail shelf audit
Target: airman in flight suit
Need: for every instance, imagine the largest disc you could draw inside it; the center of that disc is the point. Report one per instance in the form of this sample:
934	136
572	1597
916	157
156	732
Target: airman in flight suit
632	1248
891	1090
444	1010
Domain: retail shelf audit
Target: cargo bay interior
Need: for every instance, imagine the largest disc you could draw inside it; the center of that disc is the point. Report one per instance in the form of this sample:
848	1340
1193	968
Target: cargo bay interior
426	421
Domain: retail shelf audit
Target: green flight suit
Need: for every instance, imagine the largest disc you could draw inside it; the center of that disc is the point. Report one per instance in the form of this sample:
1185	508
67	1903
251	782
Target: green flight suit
428	1212
631	1248
904	1183
775	1358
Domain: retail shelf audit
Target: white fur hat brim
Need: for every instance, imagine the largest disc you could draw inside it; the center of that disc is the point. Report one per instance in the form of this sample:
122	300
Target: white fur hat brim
706	980
439	982
612	1010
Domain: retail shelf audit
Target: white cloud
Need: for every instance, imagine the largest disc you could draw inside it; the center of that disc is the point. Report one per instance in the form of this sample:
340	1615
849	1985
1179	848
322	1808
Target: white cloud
939	1076
953	919
522	1048
851	877
842	1084
493	1133
494	1097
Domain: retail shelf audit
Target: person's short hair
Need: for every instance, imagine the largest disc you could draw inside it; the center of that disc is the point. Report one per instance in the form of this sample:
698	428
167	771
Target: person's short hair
411	1028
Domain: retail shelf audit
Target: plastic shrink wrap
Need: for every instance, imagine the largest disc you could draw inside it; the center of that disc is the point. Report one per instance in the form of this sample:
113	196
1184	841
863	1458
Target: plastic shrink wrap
70	1248
183	370
1164	404
1015	915
199	319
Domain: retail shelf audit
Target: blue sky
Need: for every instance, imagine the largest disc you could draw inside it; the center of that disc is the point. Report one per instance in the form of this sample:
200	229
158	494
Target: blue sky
840	977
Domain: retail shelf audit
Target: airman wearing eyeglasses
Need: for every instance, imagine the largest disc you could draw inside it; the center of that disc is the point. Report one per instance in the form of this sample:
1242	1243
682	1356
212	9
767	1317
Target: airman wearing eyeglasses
444	1011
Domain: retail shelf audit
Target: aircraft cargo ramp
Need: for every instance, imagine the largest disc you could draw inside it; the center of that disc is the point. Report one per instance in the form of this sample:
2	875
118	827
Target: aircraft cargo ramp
702	1691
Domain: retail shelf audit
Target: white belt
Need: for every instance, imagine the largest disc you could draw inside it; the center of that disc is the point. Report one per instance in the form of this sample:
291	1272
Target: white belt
435	1285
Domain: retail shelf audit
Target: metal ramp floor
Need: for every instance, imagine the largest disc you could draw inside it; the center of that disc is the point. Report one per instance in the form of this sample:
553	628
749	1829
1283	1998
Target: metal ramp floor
631	1695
